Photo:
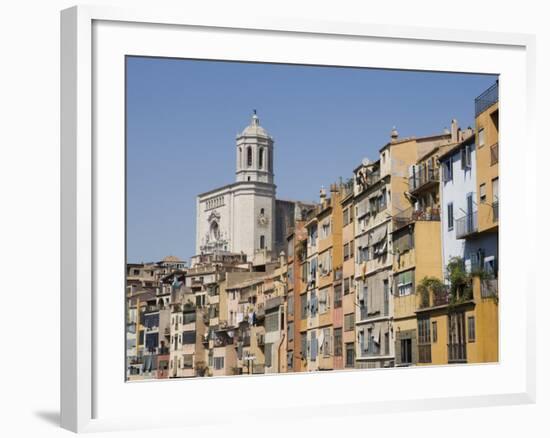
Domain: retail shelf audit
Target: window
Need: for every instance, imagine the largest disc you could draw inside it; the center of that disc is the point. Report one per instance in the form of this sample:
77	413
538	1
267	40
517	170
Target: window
324	304
325	263
448	170
272	321
326	342
338	342
350	355
404	283
363	253
219	363
188	337
471	329
457	337
363	300
349	322
450	217
434	331
337	296
346	251
249	156
303	345
424	341
382	202
290	360
406	351
313	304
346	216
188	361
403	240
347	285
290	305
313	346
481	137
386	297
494	184
290	331
326	228
262	241
303	306
490	266
387	344
268	352
465	157
482	192
261	159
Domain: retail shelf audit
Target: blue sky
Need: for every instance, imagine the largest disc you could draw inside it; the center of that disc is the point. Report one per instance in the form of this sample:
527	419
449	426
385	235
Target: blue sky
183	116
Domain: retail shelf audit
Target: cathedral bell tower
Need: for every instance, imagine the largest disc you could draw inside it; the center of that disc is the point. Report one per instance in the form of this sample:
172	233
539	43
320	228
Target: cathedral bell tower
254	153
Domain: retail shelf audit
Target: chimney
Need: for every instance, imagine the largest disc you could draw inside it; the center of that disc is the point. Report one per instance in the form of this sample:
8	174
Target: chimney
322	195
394	135
454	131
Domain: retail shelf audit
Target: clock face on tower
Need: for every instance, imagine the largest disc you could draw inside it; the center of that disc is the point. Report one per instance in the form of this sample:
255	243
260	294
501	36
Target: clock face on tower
262	219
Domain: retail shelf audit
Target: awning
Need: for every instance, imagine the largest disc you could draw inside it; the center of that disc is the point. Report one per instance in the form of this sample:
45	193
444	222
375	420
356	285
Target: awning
376	334
376	194
379	234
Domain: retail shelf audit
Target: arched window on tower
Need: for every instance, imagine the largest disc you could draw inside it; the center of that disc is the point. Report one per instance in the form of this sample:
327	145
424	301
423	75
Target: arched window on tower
249	156
262	241
240	157
261	159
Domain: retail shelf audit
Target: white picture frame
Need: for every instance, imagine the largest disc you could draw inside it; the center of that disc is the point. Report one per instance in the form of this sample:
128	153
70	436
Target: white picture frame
93	39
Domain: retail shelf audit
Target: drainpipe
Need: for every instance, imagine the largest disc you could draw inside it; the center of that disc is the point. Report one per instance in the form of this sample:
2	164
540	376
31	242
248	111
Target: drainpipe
279	353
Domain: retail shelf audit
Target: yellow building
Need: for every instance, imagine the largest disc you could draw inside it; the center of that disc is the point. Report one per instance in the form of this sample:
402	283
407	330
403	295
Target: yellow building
487	159
346	286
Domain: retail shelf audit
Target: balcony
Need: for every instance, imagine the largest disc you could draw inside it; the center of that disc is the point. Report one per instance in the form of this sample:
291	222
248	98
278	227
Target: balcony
260	311
411	214
425	178
457	353
434	299
347	188
495	211
486	99
494	154
466	225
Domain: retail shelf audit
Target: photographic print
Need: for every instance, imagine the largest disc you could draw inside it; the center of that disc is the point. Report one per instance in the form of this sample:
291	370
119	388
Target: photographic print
294	218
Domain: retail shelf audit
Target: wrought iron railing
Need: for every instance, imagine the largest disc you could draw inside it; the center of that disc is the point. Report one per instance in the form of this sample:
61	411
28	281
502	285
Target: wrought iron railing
495	211
466	225
411	214
433	299
486	99
422	178
457	352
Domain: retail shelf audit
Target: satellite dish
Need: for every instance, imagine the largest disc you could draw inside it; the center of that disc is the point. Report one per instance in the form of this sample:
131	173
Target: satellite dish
365	162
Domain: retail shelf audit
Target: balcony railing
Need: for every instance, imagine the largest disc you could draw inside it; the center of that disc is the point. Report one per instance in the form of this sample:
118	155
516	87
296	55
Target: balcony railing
424	177
495	211
486	99
411	214
434	299
466	225
457	352
494	154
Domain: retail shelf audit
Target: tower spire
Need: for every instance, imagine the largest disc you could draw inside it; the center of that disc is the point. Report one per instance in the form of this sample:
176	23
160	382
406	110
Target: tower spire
255	118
